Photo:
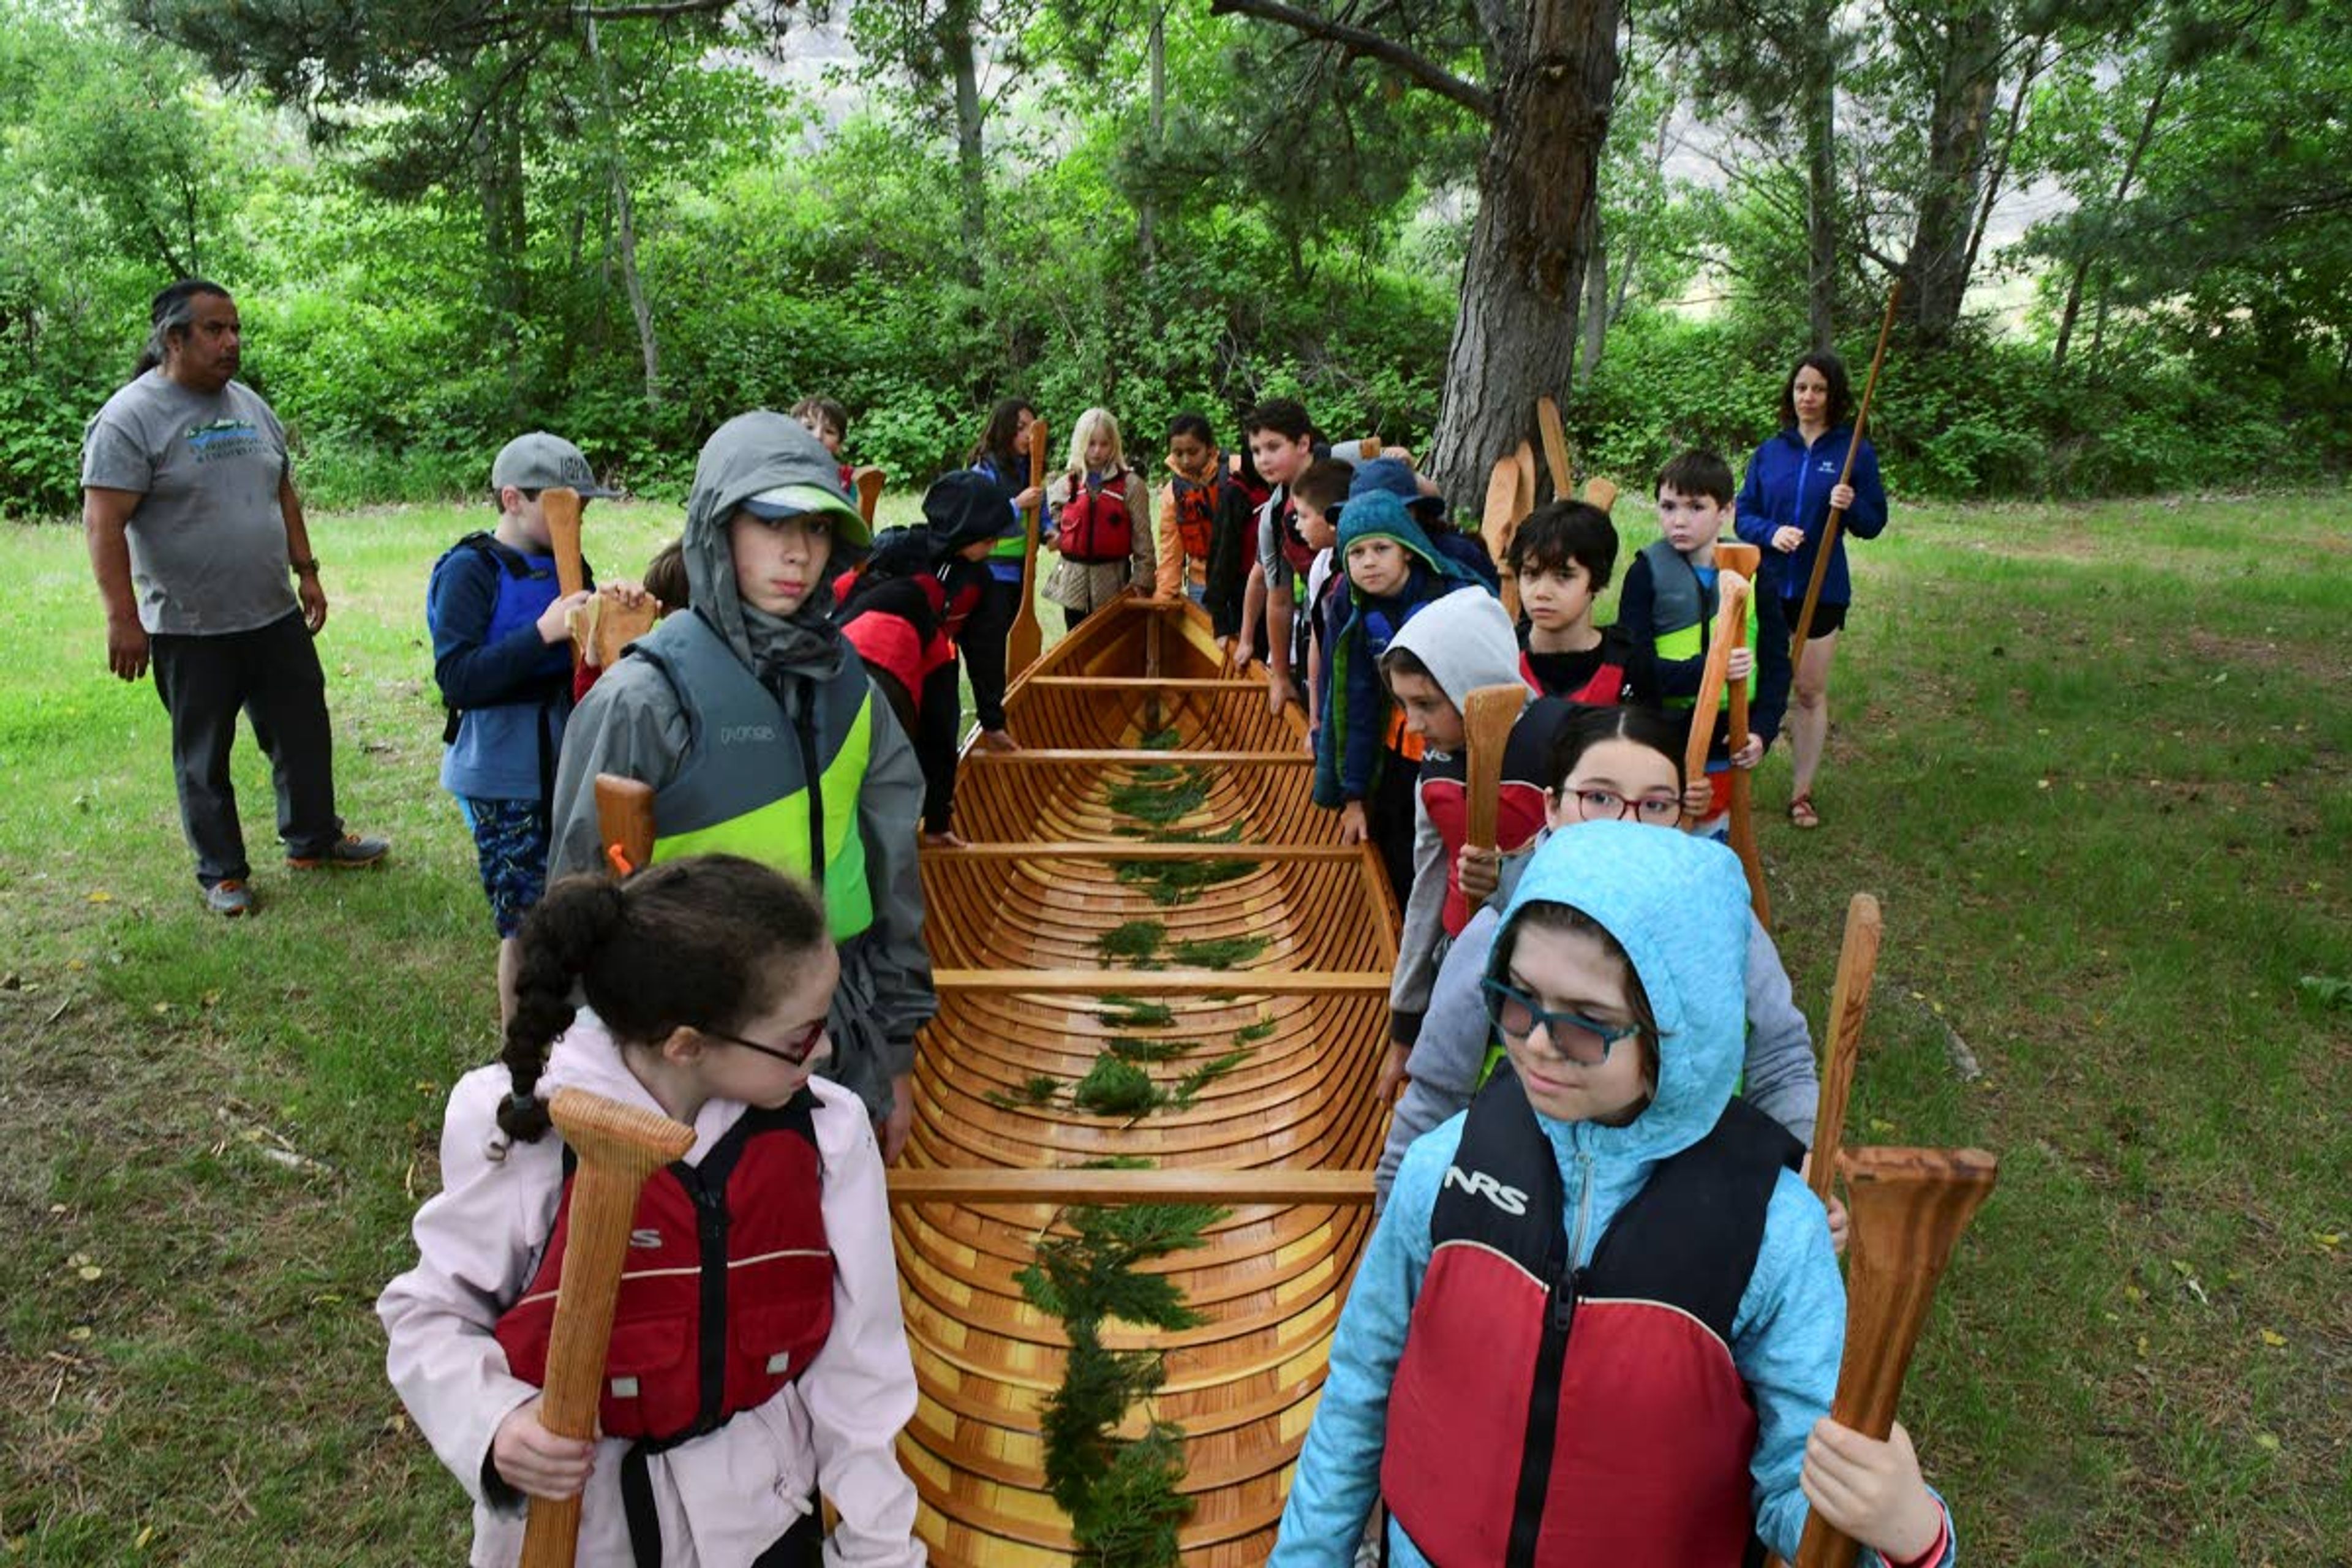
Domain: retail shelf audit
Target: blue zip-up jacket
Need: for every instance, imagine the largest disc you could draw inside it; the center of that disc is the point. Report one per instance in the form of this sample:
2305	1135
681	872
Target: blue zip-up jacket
1355	716
1678	906
1788	484
512	691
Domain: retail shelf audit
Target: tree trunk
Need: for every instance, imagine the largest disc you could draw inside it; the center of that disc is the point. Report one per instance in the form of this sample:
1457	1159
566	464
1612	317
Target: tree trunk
1820	111
1515	339
956	23
1935	277
1593	326
1147	212
2035	64
631	279
498	181
2073	310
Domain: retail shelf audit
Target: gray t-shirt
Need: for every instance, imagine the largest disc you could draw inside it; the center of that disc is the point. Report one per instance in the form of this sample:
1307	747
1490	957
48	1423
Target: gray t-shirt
208	540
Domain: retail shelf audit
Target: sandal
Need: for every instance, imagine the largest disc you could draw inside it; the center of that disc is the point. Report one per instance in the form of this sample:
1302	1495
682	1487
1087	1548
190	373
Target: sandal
1801	813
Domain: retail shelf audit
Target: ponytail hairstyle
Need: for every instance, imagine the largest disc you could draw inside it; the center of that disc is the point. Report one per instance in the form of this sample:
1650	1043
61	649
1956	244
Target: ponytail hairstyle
691	943
1587	726
170	315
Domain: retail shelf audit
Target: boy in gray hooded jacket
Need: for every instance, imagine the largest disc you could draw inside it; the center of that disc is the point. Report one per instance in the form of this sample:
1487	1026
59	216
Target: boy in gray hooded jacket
762	735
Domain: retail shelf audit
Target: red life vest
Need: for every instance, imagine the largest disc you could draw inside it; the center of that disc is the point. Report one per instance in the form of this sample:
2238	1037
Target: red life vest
1445	797
1094	525
1602	689
726	1295
1558	1417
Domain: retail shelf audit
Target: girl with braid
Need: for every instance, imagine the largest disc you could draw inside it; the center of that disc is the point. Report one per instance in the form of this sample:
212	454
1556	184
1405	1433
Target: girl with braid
758	1355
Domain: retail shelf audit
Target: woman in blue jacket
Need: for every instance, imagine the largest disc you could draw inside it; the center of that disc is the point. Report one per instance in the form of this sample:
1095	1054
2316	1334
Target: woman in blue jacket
1783	507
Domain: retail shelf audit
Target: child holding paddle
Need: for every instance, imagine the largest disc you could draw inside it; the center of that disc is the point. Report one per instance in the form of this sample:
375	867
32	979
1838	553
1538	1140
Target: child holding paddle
707	982
1599	1321
1596	764
1667	612
761	733
502	655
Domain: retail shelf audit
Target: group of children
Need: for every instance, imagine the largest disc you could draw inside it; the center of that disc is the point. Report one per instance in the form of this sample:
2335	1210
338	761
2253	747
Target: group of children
1596	1273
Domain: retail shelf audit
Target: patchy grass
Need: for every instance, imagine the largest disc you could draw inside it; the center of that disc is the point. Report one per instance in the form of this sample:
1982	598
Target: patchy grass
2096	762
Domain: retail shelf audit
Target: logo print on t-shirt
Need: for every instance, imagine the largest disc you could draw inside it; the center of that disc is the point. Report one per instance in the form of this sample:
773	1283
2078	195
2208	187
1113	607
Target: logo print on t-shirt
224	439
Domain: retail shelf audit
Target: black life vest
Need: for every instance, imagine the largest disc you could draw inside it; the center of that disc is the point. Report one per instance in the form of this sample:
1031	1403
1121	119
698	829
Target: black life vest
1094	526
728	1292
1549	1415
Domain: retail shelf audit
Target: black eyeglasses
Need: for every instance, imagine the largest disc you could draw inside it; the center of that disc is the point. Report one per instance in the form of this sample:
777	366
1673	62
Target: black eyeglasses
803	1046
1580	1039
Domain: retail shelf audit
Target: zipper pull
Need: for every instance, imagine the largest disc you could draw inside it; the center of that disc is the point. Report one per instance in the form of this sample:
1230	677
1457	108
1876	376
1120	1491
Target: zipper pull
1563	1301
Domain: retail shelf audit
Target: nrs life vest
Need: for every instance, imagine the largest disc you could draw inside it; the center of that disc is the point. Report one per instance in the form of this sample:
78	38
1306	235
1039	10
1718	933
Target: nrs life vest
1545	1415
1094	526
1445	797
777	787
1682	614
727	1291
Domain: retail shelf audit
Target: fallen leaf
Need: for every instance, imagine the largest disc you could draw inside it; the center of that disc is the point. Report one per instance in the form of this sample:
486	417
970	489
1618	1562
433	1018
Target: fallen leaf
78	1334
2267	1441
91	1271
101	897
2273	1340
145	1536
2329	1238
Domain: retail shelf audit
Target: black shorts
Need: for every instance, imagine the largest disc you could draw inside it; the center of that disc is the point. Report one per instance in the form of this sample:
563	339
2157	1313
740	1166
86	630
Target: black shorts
1827	617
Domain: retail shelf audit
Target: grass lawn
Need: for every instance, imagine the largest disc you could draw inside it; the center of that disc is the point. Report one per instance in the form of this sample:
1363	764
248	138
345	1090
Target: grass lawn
2096	762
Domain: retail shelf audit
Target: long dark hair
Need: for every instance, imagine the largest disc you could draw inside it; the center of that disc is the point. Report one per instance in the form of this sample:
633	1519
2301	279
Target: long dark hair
996	441
169	315
691	943
1833	371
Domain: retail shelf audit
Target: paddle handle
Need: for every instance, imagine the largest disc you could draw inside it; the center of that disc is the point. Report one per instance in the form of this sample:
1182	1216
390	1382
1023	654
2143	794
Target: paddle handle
1849	1007
1730	613
625	821
1744	559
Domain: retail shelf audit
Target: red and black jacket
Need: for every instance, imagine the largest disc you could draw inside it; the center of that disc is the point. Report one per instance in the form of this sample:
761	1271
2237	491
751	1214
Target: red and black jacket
1553	1417
726	1295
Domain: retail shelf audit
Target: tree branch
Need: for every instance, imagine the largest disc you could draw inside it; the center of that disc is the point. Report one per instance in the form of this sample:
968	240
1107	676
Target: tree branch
1426	72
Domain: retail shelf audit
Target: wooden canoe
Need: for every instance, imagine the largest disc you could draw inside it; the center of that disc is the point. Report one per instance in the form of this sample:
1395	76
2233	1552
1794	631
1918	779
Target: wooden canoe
1012	922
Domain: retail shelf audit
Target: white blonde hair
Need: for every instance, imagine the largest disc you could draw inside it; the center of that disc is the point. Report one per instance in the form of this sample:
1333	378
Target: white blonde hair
1083	433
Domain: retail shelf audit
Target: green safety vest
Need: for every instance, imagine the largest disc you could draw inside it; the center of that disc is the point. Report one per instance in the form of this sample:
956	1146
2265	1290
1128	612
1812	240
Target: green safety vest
1682	611
754	782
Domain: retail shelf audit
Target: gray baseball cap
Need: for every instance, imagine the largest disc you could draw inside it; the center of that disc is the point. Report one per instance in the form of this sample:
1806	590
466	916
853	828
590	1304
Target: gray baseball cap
542	461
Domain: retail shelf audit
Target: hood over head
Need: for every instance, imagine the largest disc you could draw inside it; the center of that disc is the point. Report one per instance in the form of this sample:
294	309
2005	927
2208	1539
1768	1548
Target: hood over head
1465	640
1678	906
1381	514
772	465
1396	477
963	508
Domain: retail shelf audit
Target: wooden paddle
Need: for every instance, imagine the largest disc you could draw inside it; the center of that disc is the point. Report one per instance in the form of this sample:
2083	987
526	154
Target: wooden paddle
1026	640
1487	715
1845	476
1744	559
1601	493
561	506
1498	522
1554	446
1849	1006
1730	617
867	482
1908	1207
603	626
625	821
1525	457
617	1147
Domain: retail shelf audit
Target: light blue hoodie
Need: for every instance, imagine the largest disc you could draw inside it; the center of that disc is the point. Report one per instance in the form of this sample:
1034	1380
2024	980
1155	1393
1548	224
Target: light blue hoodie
1678	906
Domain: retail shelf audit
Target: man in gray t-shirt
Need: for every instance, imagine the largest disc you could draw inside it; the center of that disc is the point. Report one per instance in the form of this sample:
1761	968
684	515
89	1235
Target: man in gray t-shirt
194	526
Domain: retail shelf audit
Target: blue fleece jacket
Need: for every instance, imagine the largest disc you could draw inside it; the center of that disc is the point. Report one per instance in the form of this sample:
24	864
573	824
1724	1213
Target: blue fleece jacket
1678	906
1788	486
1347	748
